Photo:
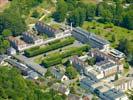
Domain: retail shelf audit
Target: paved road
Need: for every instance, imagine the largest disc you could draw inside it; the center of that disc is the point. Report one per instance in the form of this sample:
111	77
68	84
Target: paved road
31	64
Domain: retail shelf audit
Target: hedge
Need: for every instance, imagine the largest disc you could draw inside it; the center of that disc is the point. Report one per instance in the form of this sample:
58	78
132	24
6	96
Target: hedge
44	49
51	60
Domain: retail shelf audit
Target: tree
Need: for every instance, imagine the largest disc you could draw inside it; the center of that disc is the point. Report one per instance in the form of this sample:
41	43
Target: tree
123	46
4	44
6	32
92	61
11	19
13	86
71	72
130	58
118	14
74	18
129	1
128	20
61	11
116	76
73	2
77	17
106	16
113	38
126	65
48	73
90	11
82	16
35	14
94	97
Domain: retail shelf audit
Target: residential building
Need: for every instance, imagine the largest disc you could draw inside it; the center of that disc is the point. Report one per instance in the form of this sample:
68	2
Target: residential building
93	73
23	68
26	71
57	74
17	64
104	90
92	39
81	35
30	73
31	37
46	29
17	43
101	56
78	64
113	94
117	54
86	98
74	97
62	88
107	68
31	64
11	51
124	83
98	42
87	83
33	75
100	70
84	68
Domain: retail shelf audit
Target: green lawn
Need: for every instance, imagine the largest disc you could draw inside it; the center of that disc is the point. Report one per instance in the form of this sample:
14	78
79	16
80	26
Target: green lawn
38	59
107	30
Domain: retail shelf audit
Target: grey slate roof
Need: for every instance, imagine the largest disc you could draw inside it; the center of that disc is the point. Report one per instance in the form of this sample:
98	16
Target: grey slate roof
56	73
113	94
98	39
91	36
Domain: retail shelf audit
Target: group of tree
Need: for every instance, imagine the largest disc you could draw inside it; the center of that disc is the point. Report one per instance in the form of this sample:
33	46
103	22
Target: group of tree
92	61
4	44
14	87
12	20
71	72
76	12
123	47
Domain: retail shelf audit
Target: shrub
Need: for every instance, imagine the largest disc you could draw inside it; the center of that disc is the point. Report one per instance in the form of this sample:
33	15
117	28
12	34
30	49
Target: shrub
56	58
49	63
34	52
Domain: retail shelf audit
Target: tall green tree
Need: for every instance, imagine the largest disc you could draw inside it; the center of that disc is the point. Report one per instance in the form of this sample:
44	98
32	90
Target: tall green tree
128	20
118	13
12	19
6	32
74	18
13	86
123	46
77	17
71	72
4	44
61	11
90	11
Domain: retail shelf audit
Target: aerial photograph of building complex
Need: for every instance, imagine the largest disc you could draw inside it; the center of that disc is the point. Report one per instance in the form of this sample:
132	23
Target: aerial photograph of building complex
66	49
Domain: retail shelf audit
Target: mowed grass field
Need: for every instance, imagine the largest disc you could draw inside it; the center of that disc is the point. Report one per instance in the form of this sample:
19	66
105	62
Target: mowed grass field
107	30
